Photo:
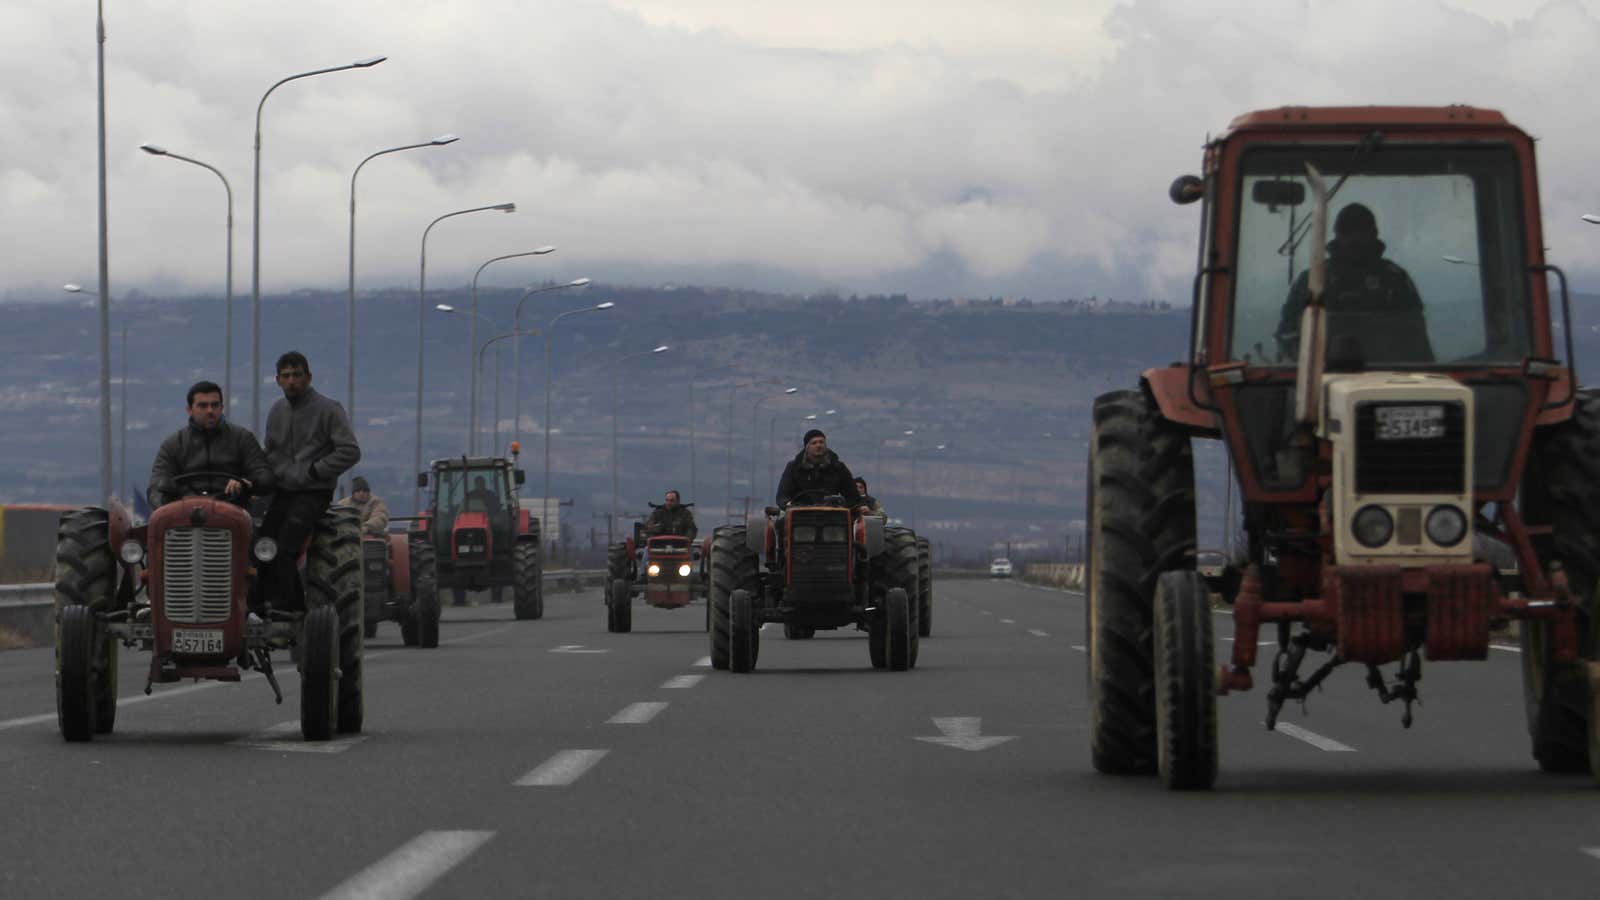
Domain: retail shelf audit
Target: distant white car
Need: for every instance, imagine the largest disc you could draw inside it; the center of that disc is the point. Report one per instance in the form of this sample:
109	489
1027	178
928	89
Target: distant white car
1000	568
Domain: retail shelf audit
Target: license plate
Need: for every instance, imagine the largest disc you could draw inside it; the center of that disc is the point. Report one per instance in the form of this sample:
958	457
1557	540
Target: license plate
199	642
1410	423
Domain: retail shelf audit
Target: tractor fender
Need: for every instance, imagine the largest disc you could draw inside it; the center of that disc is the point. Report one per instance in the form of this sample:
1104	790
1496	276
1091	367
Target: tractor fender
755	536
872	534
1169	387
400	564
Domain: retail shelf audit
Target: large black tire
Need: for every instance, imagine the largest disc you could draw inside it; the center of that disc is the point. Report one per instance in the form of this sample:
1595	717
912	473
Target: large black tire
897	568
105	682
525	602
458	596
924	588
424	584
428	614
899	632
319	673
1561	488
798	632
744	632
1141	523
333	578
86	563
1186	683
75	679
618	563
619	606
733	567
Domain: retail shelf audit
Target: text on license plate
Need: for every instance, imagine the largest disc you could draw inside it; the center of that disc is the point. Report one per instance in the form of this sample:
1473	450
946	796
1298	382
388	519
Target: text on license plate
199	641
1408	423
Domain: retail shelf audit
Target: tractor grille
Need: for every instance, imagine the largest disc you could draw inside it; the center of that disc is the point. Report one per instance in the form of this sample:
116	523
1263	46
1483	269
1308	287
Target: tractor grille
197	575
1411	466
819	549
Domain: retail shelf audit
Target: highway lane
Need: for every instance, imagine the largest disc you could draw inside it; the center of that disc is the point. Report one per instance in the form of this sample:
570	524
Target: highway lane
644	773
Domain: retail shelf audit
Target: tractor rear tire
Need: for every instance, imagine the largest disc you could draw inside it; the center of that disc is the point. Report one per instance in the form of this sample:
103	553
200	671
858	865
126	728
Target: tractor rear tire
744	633
424	583
86	563
900	631
1141	523
525	599
619	607
319	674
1186	682
75	681
924	588
798	632
333	578
733	567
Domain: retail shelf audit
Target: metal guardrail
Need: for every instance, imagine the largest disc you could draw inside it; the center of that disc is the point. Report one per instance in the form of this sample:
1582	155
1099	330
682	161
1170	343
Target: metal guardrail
24	595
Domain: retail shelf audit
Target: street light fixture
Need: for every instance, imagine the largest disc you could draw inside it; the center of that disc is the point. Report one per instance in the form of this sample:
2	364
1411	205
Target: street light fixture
616	379
422	301
495	447
755	414
549	332
694	481
1591	218
350	311
227	329
733	395
255	236
105	404
516	347
472	329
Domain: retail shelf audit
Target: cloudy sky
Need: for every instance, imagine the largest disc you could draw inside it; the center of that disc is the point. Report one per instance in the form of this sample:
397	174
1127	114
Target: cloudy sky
935	148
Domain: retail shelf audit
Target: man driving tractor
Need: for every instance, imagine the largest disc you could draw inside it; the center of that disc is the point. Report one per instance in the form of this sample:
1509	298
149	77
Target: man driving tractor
816	470
209	443
671	517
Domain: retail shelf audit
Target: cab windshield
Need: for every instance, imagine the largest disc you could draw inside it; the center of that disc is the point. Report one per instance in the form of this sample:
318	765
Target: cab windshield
472	490
1443	284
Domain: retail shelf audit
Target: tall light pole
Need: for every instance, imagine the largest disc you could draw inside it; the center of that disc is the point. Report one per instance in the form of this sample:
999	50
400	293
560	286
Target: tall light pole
122	411
105	259
733	394
474	373
549	332
694	482
472	329
227	328
911	433
616	379
494	340
255	236
755	414
516	348
350	307
422	303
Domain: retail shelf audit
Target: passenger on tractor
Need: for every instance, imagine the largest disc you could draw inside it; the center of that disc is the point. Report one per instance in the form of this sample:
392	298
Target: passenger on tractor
874	508
816	470
309	445
209	443
1375	314
671	517
374	512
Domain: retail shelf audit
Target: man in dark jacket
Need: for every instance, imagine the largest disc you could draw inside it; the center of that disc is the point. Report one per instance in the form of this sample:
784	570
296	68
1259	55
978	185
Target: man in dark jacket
671	517
309	445
209	443
816	472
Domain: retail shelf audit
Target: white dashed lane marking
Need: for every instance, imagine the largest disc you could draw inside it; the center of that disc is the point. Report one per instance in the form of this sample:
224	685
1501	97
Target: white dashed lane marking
1037	633
1314	739
703	662
683	681
562	769
1008	621
1080	648
636	714
410	870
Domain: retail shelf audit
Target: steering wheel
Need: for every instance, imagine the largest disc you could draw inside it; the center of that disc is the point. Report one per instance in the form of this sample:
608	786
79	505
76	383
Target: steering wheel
825	497
213	476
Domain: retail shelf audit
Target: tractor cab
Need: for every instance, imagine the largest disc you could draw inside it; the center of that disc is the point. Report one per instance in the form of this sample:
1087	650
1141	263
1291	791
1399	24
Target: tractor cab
481	535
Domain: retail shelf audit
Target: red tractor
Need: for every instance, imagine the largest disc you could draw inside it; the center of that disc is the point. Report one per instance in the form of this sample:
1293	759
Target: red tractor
397	572
480	534
669	570
179	585
816	565
1397	423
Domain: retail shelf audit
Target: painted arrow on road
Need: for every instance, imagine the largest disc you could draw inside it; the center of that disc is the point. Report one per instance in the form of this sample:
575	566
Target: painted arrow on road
965	733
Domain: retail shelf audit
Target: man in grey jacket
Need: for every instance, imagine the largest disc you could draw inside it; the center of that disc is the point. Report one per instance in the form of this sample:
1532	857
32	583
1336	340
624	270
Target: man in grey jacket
309	445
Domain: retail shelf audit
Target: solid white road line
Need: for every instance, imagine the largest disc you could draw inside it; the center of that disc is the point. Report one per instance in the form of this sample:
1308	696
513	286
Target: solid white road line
636	714
683	681
481	634
1037	633
121	702
562	769
410	870
1314	739
703	662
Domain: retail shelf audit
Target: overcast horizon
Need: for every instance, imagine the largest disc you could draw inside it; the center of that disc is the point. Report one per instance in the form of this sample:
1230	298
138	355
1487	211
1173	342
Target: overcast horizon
881	147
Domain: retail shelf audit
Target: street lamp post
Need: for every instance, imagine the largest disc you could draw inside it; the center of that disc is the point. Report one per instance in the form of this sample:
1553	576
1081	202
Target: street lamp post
733	394
486	344
350	310
549	332
516	349
472	338
227	328
616	379
105	396
255	236
422	302
105	259
474	371
694	482
755	414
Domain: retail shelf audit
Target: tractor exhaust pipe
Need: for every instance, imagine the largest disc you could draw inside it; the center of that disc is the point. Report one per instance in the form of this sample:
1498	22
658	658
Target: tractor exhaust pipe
1314	318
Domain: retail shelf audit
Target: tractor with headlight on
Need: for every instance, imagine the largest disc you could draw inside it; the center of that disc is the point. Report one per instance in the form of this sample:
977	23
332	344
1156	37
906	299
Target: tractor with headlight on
1399	417
182	585
668	570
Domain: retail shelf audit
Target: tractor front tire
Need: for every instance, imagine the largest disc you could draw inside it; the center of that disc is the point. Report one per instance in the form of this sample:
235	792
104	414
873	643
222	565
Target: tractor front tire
333	579
319	674
733	567
75	679
423	583
1186	686
1141	523
105	682
744	633
900	631
896	568
619	607
924	588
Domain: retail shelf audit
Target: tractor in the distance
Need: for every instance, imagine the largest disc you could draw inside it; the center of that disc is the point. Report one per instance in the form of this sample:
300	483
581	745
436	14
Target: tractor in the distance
397	571
180	586
669	570
816	565
481	536
1398	413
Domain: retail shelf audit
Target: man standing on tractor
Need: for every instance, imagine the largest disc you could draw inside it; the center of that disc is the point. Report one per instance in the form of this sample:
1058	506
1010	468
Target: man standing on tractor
874	508
817	471
209	443
374	512
309	445
671	517
1375	314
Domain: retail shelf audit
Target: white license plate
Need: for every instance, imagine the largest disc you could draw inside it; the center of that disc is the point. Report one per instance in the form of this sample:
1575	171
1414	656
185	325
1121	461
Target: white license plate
199	642
1410	423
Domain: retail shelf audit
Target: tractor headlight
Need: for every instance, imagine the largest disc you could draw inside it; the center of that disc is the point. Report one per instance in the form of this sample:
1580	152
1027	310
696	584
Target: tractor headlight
132	552
653	570
1446	526
1373	526
684	570
266	549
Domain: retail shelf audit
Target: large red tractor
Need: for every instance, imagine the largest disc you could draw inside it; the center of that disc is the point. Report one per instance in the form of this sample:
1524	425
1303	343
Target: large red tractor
480	534
179	586
1399	415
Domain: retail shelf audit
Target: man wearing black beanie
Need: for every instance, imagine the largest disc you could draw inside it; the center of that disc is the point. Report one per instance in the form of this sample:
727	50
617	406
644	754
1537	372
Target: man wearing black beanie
817	471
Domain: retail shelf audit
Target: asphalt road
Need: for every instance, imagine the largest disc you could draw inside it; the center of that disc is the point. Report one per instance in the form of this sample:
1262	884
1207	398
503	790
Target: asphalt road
552	759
